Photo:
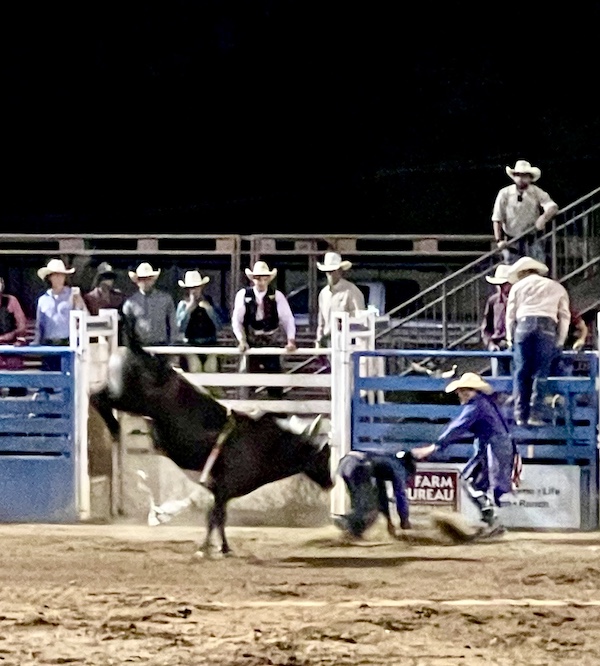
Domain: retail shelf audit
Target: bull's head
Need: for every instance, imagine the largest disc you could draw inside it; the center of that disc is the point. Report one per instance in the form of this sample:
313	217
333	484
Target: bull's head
319	465
136	378
137	374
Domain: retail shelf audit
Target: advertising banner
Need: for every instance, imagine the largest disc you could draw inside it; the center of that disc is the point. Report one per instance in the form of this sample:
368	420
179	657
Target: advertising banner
549	495
434	487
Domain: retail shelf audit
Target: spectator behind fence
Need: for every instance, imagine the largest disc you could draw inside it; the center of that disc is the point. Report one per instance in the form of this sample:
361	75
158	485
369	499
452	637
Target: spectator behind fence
53	311
151	311
199	324
104	295
338	295
519	208
493	325
13	327
537	323
261	314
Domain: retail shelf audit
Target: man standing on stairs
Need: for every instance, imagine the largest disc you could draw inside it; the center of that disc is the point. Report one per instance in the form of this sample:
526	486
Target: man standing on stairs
537	323
519	208
493	325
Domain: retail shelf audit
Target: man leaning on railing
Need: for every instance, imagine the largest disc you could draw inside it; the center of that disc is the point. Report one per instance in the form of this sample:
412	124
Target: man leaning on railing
520	208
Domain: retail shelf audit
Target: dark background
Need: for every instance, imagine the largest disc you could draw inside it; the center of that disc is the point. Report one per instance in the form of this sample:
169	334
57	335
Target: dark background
266	116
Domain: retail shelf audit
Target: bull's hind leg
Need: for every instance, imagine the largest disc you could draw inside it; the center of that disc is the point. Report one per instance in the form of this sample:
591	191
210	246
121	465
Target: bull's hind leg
218	516
216	520
222	518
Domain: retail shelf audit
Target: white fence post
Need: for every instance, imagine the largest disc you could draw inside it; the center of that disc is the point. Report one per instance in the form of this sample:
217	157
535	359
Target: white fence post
82	327
347	334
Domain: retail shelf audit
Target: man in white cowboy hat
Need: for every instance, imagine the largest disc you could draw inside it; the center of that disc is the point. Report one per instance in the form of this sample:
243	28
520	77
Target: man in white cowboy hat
537	324
338	295
260	313
150	311
489	473
521	208
493	324
198	323
53	309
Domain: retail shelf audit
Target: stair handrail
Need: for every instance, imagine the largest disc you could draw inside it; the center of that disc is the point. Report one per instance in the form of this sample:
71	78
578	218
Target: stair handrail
483	264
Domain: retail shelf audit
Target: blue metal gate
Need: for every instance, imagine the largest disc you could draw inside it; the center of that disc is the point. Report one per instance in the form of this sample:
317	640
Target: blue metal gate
38	481
415	410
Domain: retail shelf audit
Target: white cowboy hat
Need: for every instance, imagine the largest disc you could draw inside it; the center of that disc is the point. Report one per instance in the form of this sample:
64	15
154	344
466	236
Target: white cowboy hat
193	279
500	275
54	266
261	268
470	380
522	166
526	264
333	262
144	270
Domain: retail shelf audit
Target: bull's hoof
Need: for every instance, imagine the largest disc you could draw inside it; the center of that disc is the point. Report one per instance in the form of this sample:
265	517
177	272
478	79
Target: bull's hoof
206	554
201	554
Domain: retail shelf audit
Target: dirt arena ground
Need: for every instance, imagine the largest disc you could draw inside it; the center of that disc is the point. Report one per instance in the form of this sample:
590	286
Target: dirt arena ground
123	594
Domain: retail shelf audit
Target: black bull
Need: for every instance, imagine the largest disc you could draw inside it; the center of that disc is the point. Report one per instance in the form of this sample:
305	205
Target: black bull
187	424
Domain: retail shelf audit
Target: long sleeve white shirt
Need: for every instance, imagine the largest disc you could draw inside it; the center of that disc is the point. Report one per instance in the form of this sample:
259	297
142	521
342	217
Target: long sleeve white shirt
538	296
286	317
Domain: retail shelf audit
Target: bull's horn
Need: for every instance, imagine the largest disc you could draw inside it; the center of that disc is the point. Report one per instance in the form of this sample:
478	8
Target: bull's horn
315	426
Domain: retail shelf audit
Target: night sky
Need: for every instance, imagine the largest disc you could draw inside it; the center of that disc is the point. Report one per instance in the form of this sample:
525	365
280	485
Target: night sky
265	116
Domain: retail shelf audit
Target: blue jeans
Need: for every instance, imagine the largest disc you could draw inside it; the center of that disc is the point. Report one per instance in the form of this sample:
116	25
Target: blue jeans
534	351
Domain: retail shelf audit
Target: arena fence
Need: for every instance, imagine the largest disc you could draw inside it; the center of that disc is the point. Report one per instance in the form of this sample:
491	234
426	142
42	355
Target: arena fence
39	459
94	337
44	414
560	478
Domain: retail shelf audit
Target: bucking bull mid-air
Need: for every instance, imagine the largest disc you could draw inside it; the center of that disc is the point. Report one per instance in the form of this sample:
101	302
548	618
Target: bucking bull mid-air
234	452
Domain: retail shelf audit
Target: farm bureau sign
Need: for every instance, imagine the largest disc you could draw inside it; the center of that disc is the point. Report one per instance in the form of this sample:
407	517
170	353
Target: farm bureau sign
434	487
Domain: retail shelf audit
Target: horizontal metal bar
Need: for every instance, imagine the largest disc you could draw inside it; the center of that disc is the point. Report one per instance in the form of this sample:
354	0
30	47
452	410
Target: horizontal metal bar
234	351
280	406
252	379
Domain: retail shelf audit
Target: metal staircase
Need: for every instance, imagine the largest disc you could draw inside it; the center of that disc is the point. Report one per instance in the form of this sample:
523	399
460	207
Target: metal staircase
448	314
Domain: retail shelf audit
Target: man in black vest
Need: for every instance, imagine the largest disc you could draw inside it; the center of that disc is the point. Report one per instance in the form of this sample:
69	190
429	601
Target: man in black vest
260	314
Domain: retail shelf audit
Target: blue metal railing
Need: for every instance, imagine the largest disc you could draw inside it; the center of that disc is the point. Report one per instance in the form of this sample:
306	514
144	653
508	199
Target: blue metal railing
415	410
38	481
